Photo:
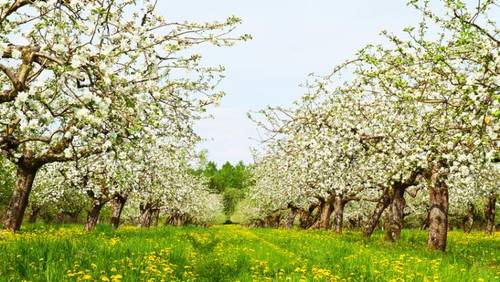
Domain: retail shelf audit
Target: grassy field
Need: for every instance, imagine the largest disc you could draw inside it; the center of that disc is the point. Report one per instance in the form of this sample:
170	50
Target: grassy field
233	253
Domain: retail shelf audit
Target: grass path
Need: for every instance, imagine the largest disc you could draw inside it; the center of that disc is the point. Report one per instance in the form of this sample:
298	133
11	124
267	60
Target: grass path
250	235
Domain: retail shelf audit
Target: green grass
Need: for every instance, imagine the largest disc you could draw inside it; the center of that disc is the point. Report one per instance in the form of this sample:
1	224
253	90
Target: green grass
233	253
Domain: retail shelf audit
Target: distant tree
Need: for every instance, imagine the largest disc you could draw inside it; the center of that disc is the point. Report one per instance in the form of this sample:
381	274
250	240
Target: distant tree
230	181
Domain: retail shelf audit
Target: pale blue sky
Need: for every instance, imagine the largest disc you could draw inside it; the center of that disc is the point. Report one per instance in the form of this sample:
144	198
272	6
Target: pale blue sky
292	38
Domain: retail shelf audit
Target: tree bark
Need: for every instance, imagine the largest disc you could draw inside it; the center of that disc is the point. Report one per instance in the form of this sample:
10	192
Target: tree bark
146	217
382	204
93	215
490	213
116	210
34	214
396	214
175	219
157	217
276	220
307	219
339	213
326	214
469	219
19	201
316	220
180	220
438	213
290	218
394	196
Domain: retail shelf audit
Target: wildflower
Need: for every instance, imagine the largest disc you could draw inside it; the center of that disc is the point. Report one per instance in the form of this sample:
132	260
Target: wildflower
116	277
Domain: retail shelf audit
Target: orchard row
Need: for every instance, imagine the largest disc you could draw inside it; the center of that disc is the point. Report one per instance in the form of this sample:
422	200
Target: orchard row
408	127
98	101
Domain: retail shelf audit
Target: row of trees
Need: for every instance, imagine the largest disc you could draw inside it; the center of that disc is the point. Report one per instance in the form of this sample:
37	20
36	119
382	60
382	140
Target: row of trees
417	116
98	98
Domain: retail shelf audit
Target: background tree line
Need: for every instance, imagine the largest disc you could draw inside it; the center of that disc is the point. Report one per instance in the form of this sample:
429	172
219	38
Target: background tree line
230	181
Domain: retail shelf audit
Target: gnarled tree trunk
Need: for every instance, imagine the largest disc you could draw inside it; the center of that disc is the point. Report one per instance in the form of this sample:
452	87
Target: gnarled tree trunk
307	218
438	212
175	219
396	214
382	204
326	214
339	213
146	217
19	201
93	215
117	205
489	213
393	196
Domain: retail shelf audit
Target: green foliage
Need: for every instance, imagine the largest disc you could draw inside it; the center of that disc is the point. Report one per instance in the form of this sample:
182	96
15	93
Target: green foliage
231	181
233	253
231	197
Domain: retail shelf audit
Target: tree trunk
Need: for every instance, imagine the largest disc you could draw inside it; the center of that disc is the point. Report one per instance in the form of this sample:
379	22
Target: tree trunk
168	219
290	218
19	200
93	215
339	213
116	210
277	220
489	214
146	217
34	214
469	219
303	218
382	204
326	214
181	220
316	220
174	219
157	217
307	219
438	215
396	214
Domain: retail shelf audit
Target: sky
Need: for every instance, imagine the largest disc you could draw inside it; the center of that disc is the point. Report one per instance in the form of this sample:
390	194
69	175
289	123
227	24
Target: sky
291	39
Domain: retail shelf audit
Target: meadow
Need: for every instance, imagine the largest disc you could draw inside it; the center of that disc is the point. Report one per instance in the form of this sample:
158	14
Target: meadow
234	253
